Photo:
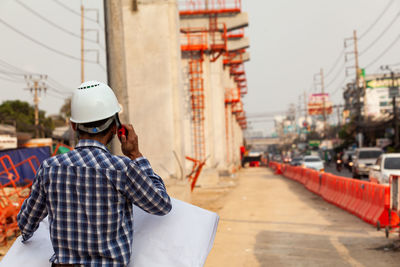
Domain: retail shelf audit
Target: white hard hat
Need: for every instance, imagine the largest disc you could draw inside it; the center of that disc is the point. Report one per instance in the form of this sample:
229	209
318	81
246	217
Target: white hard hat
93	101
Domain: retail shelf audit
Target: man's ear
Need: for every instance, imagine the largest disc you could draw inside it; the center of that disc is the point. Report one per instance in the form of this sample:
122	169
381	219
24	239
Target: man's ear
114	128
74	126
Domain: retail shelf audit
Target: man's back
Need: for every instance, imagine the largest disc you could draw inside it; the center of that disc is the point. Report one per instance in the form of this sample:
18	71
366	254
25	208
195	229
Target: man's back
88	194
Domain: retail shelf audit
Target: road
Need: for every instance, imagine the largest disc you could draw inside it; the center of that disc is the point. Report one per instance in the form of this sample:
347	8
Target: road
268	220
344	172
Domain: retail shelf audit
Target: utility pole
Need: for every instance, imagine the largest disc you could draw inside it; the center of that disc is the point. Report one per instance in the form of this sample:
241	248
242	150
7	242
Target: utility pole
82	44
338	114
357	87
35	86
323	99
357	75
115	51
305	106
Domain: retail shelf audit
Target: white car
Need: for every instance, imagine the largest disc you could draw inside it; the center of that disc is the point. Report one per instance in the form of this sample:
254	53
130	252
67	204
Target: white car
313	162
386	165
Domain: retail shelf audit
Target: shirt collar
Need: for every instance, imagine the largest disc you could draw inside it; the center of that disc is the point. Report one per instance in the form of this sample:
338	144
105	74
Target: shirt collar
91	143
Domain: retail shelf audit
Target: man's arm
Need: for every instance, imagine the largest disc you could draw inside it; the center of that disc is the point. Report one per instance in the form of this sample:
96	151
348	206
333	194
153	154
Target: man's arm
145	188
33	209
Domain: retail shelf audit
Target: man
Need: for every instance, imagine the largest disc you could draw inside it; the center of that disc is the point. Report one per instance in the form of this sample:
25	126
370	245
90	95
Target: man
88	193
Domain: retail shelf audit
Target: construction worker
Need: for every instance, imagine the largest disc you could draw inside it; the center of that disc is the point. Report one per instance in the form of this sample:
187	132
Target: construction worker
88	193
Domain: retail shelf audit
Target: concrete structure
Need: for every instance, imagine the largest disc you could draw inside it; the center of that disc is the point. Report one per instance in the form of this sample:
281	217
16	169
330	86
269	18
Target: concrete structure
160	95
154	86
208	32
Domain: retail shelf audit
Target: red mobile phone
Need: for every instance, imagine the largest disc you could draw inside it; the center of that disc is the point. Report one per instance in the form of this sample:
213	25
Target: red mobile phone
121	129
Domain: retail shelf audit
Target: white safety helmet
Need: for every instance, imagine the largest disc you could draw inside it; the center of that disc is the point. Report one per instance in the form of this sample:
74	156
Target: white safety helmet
93	101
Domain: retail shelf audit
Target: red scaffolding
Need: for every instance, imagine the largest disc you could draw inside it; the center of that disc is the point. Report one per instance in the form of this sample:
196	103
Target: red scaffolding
204	7
197	42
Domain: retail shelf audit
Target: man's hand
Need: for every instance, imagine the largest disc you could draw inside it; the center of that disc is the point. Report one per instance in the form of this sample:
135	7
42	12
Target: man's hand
130	145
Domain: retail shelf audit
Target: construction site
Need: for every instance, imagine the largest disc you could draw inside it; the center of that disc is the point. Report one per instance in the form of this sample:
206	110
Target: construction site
242	192
192	58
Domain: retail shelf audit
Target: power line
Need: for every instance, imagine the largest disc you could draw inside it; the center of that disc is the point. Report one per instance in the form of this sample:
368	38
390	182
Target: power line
42	44
9	79
335	63
53	84
384	52
381	34
58	91
76	12
339	87
336	76
377	19
52	23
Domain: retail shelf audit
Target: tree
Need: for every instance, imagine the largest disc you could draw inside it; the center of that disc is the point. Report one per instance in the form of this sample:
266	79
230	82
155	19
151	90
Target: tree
65	110
22	115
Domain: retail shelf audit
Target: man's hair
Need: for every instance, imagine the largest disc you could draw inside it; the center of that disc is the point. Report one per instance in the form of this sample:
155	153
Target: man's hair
95	124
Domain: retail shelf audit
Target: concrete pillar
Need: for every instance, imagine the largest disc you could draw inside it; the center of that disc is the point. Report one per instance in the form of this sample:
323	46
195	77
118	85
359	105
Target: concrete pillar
153	63
217	116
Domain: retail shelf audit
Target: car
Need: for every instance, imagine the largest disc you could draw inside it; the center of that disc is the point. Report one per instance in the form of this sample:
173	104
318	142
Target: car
363	158
296	161
313	162
277	158
386	165
348	159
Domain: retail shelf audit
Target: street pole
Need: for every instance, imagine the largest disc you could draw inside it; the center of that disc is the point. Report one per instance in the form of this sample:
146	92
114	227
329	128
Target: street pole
36	103
115	53
323	100
82	45
338	115
395	122
357	85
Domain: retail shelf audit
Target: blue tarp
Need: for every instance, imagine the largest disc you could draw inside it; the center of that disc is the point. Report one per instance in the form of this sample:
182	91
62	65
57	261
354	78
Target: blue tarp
25	171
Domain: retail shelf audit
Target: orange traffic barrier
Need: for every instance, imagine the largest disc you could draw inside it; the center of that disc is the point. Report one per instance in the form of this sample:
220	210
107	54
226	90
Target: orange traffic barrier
368	201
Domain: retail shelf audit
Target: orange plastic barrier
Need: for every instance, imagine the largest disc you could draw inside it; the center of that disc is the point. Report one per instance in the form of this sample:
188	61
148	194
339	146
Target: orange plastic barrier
368	201
276	167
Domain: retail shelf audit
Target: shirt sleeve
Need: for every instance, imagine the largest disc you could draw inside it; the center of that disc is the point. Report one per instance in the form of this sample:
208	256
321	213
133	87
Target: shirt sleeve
33	210
146	189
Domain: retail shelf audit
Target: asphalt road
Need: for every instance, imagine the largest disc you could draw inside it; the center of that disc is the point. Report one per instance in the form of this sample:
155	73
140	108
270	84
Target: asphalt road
269	220
344	172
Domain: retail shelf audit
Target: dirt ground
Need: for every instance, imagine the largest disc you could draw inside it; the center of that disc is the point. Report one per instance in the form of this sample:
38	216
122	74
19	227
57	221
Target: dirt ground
268	220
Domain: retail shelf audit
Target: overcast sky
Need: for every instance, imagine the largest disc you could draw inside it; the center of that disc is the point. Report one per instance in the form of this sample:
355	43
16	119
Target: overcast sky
290	40
63	66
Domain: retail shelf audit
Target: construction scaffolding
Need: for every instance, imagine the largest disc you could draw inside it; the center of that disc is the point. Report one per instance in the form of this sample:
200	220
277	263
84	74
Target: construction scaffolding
201	7
211	42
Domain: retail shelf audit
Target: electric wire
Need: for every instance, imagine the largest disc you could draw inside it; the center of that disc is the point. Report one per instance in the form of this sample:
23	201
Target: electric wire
77	13
42	44
52	23
383	52
342	83
381	34
377	19
52	84
10	80
337	75
335	63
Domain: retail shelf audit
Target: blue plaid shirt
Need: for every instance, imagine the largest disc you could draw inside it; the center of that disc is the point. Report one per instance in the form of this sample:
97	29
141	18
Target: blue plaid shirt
88	194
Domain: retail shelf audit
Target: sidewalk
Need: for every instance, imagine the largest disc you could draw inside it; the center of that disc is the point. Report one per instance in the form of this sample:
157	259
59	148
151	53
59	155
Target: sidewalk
268	220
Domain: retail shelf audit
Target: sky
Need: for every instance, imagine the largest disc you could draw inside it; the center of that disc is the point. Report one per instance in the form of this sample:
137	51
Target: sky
40	21
290	41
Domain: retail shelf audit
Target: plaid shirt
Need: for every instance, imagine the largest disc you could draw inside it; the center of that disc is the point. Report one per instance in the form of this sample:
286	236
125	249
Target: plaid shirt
88	194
